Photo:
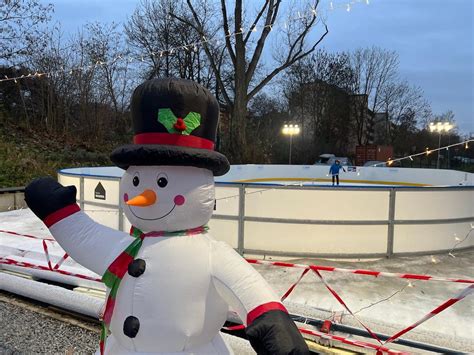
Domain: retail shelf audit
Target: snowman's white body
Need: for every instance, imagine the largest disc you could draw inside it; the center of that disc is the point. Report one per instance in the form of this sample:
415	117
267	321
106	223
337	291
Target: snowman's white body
182	298
181	278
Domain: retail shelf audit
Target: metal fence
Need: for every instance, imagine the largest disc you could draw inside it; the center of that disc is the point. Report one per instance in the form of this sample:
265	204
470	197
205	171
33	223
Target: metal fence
459	226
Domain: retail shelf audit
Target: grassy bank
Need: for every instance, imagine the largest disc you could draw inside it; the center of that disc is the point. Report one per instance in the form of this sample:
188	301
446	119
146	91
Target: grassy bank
25	155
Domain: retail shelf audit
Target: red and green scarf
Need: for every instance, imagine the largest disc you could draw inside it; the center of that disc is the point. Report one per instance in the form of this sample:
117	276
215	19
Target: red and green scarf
114	274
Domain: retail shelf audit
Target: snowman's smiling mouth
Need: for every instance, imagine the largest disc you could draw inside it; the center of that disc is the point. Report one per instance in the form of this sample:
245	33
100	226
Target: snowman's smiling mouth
152	219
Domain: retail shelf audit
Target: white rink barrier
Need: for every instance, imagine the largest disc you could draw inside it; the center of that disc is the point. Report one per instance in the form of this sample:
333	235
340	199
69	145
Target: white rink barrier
288	213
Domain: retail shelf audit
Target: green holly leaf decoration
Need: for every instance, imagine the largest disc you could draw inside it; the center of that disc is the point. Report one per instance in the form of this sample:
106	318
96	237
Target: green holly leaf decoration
168	119
192	121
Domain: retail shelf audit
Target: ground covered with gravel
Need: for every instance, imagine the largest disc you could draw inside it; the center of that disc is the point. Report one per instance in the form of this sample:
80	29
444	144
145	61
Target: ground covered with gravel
23	331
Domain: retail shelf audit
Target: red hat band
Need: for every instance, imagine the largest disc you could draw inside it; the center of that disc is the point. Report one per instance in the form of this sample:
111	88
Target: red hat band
173	139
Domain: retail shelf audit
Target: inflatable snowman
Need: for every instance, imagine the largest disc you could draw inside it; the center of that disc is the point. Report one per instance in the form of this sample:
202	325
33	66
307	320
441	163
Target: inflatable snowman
169	283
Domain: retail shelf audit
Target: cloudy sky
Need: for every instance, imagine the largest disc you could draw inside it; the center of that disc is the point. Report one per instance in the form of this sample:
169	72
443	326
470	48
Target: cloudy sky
434	39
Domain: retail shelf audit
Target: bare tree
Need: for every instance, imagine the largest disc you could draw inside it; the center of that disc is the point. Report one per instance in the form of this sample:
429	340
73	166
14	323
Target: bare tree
82	87
374	68
112	85
405	108
245	41
51	90
154	37
20	27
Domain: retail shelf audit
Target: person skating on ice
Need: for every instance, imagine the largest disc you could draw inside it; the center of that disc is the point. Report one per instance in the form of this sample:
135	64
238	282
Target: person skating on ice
334	171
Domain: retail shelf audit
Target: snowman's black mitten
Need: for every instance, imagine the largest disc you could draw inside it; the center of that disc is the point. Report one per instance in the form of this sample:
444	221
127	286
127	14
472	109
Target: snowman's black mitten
45	196
275	333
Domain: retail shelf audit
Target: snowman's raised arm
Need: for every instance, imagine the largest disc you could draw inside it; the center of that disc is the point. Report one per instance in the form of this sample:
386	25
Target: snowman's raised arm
269	327
240	284
89	243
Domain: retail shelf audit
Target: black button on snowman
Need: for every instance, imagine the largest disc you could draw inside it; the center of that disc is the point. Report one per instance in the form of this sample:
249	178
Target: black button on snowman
170	284
136	267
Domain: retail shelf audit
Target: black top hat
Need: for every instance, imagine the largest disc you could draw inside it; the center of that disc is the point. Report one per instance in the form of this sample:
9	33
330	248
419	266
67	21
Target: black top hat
175	122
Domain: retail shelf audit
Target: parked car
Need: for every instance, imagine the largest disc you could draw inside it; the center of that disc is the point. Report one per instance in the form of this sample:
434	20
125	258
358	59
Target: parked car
344	161
329	159
324	158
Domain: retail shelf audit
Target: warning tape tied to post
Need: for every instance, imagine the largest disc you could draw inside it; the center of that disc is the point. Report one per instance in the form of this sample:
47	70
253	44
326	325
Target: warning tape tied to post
464	293
341	302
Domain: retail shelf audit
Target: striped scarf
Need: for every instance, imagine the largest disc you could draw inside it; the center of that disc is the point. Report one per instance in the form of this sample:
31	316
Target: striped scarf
114	274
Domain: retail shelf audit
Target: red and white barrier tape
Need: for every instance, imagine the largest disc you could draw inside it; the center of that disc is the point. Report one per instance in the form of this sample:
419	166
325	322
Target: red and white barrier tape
464	293
358	343
9	261
339	299
60	262
360	271
48	260
26	235
292	287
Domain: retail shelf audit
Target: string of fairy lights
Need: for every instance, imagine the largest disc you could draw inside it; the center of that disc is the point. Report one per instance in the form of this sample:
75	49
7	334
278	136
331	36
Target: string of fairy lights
194	46
427	152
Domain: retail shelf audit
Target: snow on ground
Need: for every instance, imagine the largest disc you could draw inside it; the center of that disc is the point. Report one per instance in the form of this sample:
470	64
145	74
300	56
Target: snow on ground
411	301
371	298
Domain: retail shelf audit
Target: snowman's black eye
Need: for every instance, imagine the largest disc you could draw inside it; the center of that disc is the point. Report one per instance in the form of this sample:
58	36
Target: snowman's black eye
162	180
135	181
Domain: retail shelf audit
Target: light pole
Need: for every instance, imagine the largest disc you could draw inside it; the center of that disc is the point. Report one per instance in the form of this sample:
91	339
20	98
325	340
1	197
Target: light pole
440	127
290	130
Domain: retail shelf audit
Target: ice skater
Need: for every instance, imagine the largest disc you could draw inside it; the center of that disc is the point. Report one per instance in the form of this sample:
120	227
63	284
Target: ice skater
334	171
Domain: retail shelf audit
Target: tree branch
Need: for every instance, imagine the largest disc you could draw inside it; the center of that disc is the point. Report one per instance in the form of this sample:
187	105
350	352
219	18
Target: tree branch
239	41
199	29
227	32
249	33
271	16
290	61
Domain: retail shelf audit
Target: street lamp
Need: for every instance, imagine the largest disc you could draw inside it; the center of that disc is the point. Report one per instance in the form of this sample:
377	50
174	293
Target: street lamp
290	130
440	127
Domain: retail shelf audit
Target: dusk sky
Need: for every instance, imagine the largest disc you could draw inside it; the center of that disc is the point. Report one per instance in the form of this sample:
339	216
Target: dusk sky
434	40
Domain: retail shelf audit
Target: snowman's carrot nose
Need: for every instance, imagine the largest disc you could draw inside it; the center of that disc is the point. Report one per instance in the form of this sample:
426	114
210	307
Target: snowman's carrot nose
146	198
